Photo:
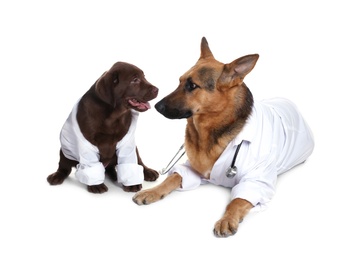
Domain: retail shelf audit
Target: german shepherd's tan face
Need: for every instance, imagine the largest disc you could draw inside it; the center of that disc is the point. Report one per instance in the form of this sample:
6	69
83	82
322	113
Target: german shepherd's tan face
208	87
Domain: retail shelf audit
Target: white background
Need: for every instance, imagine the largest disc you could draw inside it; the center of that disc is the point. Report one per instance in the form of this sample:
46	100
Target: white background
53	51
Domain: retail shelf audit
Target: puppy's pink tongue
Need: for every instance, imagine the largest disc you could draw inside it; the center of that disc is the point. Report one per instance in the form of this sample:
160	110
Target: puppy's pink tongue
140	105
145	105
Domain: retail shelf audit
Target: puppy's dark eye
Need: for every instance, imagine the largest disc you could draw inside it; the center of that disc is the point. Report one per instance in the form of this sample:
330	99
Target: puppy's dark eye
115	78
190	86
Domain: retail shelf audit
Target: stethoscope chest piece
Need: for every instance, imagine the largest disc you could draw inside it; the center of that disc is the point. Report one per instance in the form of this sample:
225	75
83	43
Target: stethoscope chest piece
231	172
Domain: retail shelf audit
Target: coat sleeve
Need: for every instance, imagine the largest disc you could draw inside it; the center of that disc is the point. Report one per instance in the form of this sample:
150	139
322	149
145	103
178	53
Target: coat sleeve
129	172
258	185
90	170
190	179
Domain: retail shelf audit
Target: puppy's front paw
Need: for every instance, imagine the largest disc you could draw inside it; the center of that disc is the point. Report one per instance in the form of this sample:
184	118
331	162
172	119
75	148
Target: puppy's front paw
225	227
150	174
133	188
146	197
56	178
100	188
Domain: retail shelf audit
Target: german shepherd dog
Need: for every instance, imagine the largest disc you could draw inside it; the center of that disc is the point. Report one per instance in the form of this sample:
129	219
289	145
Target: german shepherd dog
271	137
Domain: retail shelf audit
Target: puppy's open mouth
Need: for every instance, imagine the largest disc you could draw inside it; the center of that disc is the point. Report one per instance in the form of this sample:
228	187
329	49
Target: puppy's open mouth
139	105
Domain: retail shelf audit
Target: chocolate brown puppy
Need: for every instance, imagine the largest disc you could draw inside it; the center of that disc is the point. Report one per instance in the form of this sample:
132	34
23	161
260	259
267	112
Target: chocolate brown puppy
98	137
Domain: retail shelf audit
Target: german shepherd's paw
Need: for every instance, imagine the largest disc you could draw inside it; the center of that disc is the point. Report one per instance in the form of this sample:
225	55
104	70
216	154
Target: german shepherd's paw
100	188
150	174
225	227
132	188
147	197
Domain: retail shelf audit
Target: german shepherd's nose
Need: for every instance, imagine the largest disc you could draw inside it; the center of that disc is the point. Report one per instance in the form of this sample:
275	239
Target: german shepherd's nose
160	106
172	111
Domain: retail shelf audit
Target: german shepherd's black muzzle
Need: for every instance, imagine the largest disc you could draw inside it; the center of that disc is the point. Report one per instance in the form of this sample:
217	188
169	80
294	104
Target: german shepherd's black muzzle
172	111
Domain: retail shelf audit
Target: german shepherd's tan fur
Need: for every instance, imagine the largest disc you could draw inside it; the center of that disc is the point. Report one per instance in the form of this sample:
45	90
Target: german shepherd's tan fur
216	102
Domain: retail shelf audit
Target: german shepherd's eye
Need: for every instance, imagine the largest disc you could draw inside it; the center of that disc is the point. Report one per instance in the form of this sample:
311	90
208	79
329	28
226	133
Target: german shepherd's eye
190	86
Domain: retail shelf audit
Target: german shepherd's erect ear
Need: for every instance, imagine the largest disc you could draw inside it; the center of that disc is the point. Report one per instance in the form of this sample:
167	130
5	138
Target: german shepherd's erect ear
205	51
234	72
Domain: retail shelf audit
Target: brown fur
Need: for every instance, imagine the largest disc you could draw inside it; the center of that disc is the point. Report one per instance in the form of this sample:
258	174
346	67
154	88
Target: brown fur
216	102
104	117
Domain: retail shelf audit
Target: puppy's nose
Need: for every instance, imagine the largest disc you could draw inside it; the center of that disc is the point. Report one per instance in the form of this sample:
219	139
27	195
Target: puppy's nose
155	90
160	106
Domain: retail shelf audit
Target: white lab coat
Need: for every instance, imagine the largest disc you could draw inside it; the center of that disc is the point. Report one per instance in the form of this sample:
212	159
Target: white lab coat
276	138
90	170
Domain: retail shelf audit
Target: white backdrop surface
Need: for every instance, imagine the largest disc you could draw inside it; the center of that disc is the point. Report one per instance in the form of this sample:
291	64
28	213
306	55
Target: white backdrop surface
51	52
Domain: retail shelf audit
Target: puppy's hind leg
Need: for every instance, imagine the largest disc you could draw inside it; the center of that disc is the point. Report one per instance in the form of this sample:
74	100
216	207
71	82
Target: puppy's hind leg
149	174
64	169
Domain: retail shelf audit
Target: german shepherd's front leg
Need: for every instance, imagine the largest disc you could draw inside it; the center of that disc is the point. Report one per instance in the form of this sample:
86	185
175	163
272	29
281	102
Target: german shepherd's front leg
234	214
171	183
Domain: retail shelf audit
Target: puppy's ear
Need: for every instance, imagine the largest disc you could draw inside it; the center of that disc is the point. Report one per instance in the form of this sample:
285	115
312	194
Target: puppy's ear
104	88
205	51
234	72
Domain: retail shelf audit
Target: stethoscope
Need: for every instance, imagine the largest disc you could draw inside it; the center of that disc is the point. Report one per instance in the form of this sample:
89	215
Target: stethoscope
168	167
230	172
